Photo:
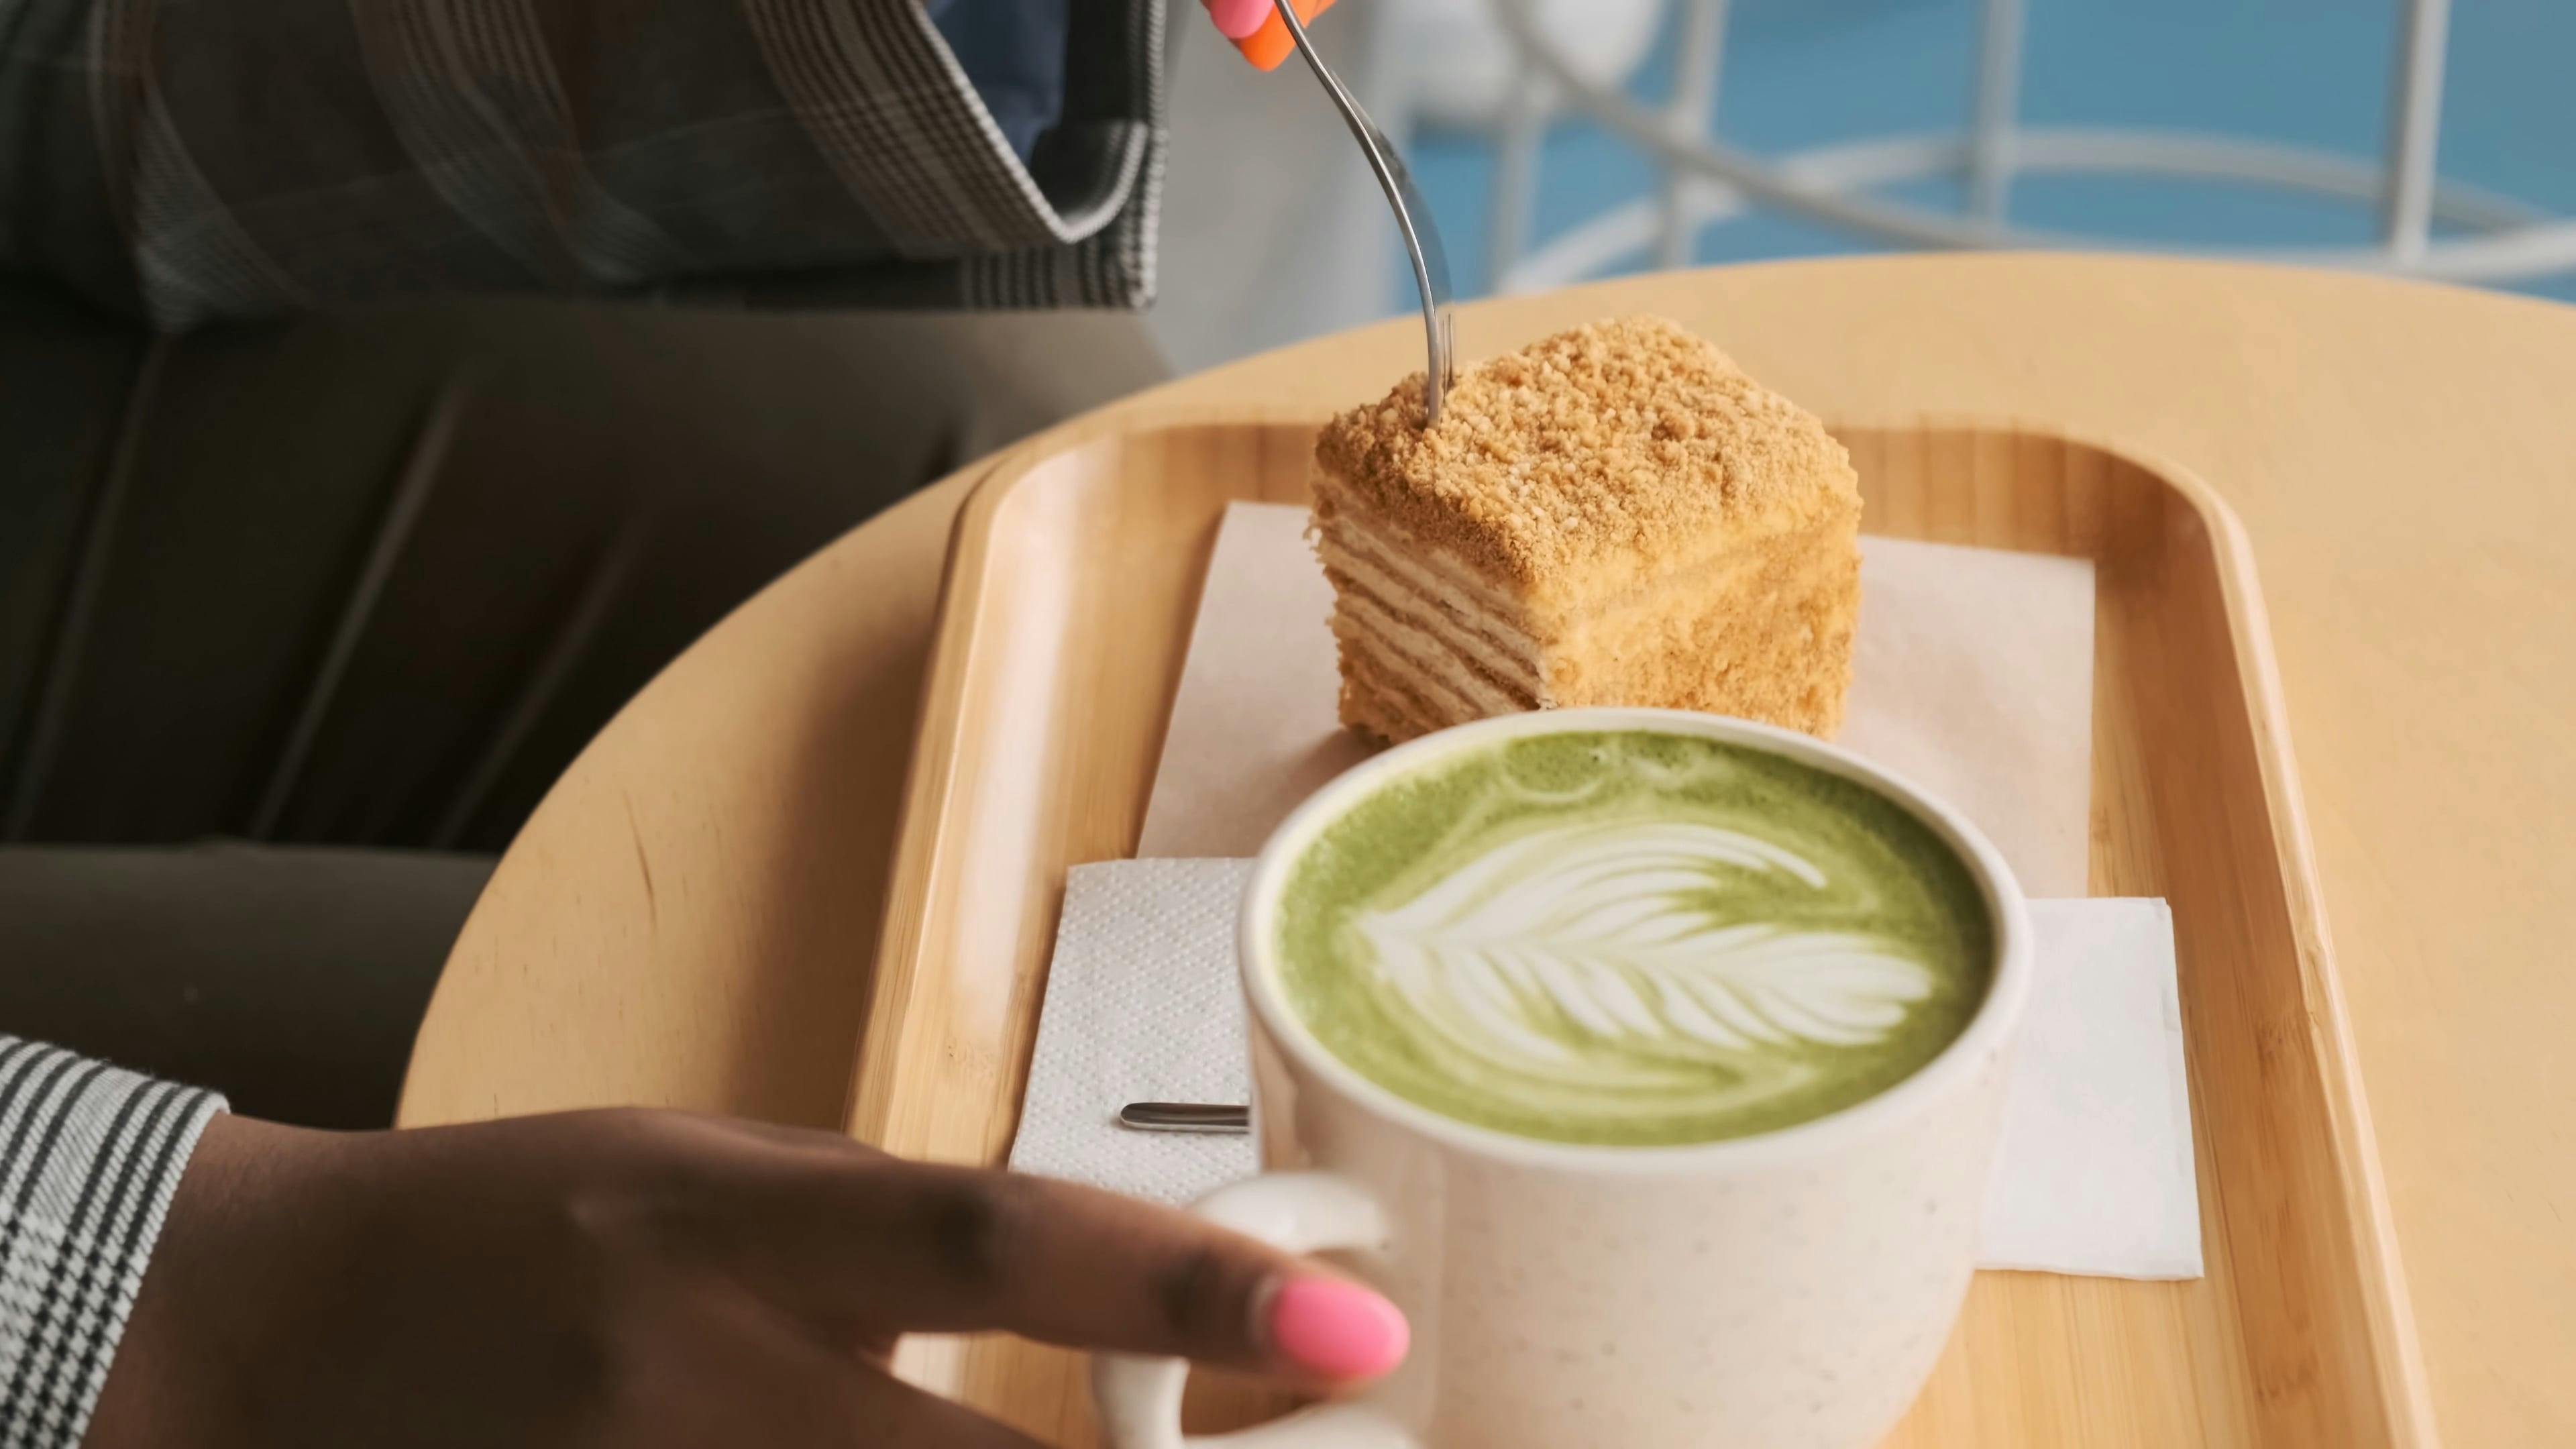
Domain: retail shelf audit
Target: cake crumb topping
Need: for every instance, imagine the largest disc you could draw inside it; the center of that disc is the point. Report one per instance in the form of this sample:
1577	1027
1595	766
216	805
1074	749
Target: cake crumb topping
1629	440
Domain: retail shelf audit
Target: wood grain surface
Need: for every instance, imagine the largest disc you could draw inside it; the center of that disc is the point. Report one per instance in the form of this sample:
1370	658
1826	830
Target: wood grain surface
690	917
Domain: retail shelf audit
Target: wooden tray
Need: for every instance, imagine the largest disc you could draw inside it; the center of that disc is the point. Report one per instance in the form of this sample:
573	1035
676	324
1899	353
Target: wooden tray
1071	588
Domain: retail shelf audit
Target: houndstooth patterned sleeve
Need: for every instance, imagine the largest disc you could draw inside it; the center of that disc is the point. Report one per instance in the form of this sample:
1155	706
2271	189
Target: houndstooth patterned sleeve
89	1157
188	163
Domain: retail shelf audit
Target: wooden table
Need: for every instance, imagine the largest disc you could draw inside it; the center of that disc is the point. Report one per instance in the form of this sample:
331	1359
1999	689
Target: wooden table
688	918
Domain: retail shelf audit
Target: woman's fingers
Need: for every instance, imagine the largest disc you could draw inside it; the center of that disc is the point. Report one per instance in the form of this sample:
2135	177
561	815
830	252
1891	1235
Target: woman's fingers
1255	28
1237	19
879	1412
735	1371
958	1250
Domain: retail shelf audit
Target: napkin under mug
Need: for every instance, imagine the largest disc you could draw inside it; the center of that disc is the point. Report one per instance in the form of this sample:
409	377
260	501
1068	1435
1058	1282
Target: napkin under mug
2094	1174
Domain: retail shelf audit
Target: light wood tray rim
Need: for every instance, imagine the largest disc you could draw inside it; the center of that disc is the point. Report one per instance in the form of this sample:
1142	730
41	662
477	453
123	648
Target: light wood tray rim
932	777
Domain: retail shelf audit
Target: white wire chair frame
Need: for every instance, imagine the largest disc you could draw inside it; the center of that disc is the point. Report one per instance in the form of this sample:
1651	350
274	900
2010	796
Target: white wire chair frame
1704	180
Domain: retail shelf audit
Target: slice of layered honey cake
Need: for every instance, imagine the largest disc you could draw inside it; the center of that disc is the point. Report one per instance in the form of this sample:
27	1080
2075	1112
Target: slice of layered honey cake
1615	515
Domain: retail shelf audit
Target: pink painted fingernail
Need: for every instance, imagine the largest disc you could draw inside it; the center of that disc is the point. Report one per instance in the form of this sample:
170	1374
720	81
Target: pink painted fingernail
1337	1329
1237	19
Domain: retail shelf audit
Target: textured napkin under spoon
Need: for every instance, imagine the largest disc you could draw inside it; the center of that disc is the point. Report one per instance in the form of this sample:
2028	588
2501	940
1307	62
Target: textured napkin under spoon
1412	220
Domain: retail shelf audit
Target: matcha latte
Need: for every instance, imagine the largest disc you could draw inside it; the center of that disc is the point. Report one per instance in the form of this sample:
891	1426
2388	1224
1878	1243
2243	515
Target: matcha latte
1630	938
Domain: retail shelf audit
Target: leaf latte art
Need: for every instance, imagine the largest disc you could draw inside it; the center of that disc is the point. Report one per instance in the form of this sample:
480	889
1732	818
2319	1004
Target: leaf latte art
1597	930
1632	939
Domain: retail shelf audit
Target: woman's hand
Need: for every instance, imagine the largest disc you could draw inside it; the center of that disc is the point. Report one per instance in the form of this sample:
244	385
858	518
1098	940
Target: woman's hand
1238	19
1255	28
645	1279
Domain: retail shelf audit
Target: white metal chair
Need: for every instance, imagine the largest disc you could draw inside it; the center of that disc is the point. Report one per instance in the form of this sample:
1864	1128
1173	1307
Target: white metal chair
1705	180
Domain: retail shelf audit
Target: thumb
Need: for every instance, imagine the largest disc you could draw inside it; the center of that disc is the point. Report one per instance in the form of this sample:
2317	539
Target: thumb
918	1247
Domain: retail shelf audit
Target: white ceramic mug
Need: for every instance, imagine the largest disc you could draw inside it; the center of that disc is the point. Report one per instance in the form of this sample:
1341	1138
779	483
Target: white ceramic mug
1791	1288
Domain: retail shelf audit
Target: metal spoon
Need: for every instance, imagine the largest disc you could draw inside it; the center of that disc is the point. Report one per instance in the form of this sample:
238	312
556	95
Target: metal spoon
1412	220
1185	1117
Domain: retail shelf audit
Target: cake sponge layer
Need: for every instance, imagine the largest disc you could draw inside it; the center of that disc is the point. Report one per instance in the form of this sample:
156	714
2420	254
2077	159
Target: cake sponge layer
1613	516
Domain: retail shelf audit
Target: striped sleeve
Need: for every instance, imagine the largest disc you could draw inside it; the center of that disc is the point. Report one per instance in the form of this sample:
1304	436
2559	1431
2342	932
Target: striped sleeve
89	1158
192	163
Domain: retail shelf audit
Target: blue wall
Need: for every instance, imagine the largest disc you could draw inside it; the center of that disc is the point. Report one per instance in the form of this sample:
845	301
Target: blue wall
1802	73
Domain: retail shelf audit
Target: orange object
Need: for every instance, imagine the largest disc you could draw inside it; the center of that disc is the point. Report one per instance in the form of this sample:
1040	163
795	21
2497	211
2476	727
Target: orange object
1270	44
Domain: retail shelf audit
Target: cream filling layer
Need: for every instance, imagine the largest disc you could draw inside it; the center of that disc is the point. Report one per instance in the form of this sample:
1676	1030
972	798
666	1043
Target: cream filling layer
1424	562
1511	659
1418	614
1381	631
1434	682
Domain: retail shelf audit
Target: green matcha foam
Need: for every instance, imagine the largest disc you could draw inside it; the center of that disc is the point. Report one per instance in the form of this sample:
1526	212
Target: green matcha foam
1631	938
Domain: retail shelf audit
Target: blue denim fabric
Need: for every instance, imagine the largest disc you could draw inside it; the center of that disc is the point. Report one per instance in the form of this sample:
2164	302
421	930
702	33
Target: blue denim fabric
1013	50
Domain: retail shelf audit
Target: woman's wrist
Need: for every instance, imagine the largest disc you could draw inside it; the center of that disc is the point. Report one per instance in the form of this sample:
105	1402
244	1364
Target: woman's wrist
216	1289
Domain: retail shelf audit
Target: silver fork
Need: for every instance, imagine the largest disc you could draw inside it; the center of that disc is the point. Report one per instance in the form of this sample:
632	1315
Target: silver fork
1412	219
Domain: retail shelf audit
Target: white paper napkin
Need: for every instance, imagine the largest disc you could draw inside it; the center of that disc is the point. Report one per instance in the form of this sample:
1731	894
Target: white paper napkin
1972	677
2094	1174
1142	1005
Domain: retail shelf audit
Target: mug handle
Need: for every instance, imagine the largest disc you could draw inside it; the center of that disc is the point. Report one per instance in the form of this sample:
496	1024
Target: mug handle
1302	1212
